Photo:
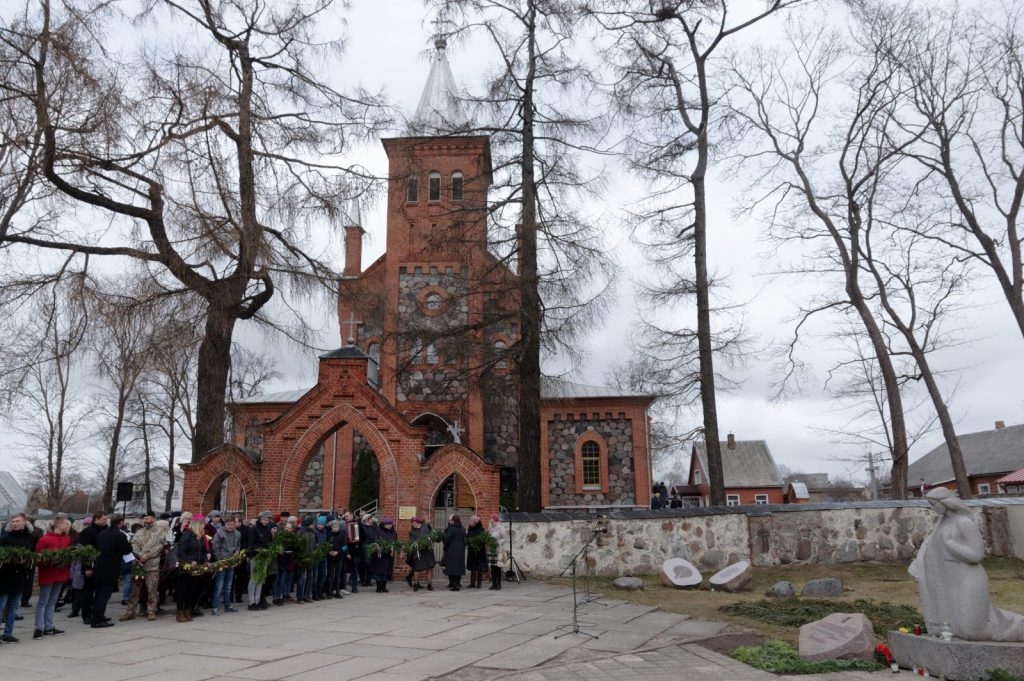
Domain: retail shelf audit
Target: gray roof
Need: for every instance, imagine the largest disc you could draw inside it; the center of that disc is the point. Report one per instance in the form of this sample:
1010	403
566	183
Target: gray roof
283	397
800	490
348	352
991	451
12	497
750	464
559	389
439	110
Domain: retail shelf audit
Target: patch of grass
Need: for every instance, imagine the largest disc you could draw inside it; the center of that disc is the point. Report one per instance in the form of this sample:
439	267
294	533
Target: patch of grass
1003	675
793	612
779	657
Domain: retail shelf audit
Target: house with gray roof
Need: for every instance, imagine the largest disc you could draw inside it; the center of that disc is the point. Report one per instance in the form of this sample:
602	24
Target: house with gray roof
988	455
751	476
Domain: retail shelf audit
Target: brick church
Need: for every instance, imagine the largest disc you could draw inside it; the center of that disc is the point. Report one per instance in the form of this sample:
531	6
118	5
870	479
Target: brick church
424	378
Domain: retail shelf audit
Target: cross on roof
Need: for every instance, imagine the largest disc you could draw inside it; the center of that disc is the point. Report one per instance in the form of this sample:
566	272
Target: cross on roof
353	324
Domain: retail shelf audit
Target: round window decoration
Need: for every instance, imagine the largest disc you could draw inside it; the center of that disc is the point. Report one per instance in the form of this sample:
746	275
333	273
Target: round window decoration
433	302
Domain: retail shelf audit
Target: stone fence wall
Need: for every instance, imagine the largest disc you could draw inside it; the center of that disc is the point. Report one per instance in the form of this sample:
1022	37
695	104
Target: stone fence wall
637	542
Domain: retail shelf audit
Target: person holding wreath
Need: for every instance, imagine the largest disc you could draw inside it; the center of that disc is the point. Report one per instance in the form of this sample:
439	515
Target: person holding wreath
476	554
421	555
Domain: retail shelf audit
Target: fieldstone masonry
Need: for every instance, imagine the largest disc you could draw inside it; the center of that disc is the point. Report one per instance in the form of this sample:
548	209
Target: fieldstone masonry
562	436
638	541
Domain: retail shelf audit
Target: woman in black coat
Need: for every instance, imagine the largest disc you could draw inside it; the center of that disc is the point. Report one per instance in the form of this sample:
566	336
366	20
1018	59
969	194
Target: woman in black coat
379	562
454	543
191	551
476	555
421	559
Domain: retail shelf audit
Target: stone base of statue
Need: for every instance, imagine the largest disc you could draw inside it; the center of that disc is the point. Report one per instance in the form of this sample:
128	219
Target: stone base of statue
955	659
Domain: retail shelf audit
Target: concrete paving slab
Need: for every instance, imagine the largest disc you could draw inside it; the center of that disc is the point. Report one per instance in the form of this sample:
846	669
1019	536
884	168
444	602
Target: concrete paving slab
493	643
210	666
428	643
355	668
289	666
266	654
437	663
367	649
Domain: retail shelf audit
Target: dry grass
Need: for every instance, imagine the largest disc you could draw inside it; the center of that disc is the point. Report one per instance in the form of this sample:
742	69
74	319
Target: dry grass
875	581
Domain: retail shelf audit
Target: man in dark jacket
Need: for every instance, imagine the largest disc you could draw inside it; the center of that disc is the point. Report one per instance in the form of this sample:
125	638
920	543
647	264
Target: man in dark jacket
113	546
90	536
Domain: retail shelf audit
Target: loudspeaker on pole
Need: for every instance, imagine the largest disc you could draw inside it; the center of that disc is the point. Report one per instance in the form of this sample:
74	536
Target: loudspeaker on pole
125	491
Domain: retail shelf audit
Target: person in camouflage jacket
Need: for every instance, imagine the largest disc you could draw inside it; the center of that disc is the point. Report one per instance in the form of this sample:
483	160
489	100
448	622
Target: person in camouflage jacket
147	545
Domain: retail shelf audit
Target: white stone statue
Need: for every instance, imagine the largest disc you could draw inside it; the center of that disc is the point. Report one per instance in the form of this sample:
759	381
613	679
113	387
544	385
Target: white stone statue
951	581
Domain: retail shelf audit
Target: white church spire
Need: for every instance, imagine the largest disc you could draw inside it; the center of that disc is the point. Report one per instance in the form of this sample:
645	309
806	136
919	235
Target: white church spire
439	110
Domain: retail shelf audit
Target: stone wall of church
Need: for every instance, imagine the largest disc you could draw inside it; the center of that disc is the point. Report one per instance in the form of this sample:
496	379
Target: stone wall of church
501	421
617	434
311	487
433	377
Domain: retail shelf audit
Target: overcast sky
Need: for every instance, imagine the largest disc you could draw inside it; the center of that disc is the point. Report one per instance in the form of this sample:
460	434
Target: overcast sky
388	48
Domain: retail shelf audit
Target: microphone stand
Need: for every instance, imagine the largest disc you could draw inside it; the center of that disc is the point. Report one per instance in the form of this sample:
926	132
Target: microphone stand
574	628
515	573
588	595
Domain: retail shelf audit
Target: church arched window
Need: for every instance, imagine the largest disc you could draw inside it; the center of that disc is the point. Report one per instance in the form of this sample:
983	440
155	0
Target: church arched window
412	189
591	464
500	352
434	186
457	185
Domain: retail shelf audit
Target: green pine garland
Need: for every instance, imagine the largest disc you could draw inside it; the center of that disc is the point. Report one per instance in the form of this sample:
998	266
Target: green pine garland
286	541
482	542
204	569
383	547
54	557
308	559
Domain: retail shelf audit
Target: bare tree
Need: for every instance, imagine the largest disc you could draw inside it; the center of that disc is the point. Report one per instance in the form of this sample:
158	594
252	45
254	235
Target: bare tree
209	161
665	55
964	84
854	189
42	392
123	342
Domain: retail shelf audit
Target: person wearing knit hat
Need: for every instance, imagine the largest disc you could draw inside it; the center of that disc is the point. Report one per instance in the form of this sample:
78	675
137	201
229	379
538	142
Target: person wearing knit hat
381	561
476	555
421	558
494	550
307	522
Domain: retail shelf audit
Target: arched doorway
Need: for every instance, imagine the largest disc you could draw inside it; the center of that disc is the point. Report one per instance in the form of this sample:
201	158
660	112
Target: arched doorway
454	496
226	494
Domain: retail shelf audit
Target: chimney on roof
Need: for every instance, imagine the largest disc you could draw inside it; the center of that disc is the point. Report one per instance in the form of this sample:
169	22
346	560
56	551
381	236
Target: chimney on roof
730	441
1000	425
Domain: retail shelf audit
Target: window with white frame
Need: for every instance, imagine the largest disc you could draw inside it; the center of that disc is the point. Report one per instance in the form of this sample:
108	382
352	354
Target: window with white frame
732	499
983	488
590	454
696	477
761	499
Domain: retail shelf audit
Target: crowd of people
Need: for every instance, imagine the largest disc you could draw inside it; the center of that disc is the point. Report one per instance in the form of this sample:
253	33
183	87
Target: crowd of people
217	562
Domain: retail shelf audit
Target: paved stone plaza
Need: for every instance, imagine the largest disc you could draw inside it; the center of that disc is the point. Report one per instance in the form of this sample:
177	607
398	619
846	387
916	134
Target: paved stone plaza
402	636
